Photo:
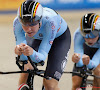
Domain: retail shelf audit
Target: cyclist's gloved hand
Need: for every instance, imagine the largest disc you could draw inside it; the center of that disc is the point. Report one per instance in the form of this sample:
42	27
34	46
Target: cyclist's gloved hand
23	48
18	50
85	59
75	57
26	50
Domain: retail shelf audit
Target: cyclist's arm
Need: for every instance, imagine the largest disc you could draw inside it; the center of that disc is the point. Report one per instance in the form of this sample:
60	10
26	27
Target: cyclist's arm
50	34
95	60
78	46
19	35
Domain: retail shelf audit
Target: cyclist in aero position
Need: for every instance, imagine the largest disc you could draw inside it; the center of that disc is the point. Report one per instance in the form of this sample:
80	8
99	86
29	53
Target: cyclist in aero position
42	32
87	48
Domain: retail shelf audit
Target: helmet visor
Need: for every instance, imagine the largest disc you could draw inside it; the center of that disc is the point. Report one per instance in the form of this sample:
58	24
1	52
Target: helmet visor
89	34
28	21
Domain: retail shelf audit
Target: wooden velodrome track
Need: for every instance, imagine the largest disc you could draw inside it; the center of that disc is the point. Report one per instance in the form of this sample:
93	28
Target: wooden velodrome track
7	56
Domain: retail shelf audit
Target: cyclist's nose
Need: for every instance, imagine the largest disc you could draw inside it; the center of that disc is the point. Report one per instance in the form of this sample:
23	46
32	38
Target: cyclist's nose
90	40
29	28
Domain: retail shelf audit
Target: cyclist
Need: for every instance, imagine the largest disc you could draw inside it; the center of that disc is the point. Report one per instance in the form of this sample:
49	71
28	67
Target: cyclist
42	32
86	48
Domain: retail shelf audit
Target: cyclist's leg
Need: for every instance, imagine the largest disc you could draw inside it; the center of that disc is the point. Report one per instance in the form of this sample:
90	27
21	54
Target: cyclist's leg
76	79
96	81
57	59
24	76
51	84
76	82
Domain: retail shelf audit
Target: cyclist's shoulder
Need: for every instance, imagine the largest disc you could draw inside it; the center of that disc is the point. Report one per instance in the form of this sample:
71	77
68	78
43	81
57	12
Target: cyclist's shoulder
50	17
49	13
77	31
77	34
15	19
16	22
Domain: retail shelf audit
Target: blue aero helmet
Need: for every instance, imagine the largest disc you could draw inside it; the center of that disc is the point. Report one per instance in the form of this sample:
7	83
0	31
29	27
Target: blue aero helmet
90	25
30	13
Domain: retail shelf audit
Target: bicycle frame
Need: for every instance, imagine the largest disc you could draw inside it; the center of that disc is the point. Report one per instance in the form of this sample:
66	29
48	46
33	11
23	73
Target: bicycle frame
31	73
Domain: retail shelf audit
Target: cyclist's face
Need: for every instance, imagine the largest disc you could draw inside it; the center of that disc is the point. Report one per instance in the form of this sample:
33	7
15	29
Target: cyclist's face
91	41
31	30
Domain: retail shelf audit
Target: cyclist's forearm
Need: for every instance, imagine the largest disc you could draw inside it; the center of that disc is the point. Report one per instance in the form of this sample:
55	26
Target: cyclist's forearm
80	63
91	65
95	60
38	57
23	57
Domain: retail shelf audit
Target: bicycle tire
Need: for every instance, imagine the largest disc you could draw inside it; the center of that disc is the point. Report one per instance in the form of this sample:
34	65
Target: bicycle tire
24	87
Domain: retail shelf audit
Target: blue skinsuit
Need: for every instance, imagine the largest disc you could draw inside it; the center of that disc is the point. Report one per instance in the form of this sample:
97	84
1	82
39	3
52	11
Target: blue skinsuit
53	25
78	48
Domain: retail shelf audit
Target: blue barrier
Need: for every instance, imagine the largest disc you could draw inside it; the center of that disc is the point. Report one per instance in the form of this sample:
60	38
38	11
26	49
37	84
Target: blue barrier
65	5
70	4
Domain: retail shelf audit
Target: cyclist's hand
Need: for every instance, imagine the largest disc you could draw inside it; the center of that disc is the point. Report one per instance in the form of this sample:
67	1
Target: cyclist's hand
27	50
85	59
18	50
75	57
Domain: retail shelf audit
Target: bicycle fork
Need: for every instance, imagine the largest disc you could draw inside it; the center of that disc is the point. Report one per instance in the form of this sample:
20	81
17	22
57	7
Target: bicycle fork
30	81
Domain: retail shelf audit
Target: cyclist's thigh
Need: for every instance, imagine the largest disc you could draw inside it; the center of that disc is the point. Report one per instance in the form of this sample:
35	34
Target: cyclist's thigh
76	78
96	71
57	56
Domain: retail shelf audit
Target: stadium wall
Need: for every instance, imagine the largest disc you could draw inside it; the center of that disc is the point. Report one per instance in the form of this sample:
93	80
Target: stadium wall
10	6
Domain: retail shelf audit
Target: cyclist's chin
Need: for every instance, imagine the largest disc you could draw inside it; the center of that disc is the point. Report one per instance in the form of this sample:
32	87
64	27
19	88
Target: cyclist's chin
31	35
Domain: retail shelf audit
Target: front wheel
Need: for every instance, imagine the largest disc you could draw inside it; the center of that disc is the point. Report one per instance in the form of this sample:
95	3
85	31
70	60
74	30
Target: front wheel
24	87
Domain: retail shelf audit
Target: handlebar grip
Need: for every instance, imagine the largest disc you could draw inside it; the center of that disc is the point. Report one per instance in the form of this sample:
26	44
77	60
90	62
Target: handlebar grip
32	63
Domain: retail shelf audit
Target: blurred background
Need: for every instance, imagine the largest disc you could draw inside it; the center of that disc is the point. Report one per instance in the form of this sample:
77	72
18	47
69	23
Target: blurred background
12	5
70	10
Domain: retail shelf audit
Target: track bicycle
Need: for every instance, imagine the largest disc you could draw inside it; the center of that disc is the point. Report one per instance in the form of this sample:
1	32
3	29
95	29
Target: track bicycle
85	72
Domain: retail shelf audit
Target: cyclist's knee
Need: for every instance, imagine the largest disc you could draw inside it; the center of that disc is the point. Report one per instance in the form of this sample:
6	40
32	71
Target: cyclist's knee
97	70
28	66
76	82
75	86
50	84
23	78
